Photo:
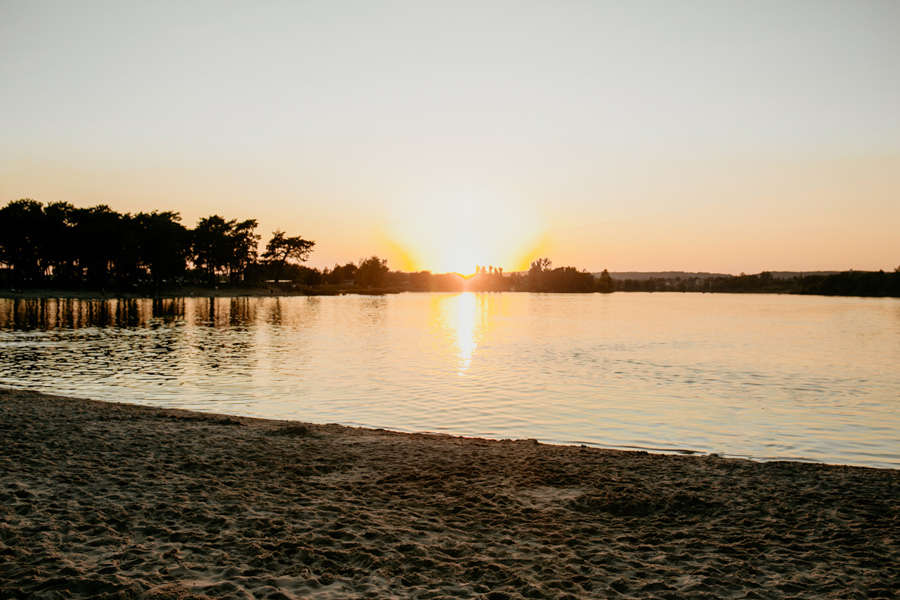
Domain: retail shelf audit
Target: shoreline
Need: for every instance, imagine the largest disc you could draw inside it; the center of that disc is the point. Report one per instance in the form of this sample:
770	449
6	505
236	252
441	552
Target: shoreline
276	291
107	500
627	448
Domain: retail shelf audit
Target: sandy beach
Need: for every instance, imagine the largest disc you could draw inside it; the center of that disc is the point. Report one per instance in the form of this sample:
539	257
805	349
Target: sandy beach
102	500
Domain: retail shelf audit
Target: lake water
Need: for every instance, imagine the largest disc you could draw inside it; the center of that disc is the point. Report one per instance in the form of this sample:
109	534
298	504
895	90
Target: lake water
761	376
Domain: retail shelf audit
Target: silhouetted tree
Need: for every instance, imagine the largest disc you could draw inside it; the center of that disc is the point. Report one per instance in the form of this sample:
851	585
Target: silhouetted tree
541	264
371	272
536	274
59	242
303	274
21	222
281	249
244	249
853	283
568	279
562	279
339	274
604	283
211	246
99	243
163	245
224	247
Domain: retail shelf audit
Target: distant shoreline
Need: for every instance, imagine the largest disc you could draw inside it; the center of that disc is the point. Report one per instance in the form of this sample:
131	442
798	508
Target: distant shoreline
566	280
648	284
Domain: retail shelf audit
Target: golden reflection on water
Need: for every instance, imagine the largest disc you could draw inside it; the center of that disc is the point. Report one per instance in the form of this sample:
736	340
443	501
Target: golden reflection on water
459	319
69	313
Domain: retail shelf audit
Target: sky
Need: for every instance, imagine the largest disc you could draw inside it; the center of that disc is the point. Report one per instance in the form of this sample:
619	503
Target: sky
720	136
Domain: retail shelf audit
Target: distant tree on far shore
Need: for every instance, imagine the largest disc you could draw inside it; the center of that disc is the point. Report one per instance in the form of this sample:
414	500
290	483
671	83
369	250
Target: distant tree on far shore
846	283
604	283
371	272
339	274
541	278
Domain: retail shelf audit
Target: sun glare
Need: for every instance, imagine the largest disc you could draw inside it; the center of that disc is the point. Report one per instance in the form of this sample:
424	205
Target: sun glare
455	232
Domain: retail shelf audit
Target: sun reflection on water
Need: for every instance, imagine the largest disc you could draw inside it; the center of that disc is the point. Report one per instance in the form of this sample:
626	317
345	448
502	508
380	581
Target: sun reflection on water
465	330
458	320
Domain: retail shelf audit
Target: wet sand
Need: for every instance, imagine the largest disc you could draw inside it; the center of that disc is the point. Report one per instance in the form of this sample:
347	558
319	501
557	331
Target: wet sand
102	500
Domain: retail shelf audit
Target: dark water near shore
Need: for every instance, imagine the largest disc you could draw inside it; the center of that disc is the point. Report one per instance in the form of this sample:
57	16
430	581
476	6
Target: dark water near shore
762	376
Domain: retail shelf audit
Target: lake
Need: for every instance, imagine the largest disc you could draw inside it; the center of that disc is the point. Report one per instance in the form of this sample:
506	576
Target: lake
759	376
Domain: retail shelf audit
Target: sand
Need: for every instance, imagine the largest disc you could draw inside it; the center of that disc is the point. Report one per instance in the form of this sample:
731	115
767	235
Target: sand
103	500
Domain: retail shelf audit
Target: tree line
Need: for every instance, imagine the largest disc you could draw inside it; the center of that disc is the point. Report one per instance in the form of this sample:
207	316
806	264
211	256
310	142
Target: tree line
63	246
539	278
60	245
97	247
846	283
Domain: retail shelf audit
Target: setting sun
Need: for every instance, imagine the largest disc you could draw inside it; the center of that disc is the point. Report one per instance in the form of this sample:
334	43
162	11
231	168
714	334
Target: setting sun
457	231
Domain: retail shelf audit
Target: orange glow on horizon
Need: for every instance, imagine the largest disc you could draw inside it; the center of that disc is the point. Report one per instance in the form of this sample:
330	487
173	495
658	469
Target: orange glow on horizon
455	232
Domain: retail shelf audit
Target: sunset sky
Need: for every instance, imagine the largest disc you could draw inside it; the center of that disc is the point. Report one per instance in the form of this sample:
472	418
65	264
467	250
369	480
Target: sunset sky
716	136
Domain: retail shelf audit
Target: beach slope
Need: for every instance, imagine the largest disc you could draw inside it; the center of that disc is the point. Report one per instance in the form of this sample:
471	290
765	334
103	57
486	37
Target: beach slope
103	500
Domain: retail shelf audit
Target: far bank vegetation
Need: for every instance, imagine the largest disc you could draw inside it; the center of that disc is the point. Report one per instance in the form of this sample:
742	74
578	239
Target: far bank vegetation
60	246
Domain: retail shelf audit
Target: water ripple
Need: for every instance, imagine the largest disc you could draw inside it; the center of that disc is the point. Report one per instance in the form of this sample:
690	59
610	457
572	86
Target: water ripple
770	377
